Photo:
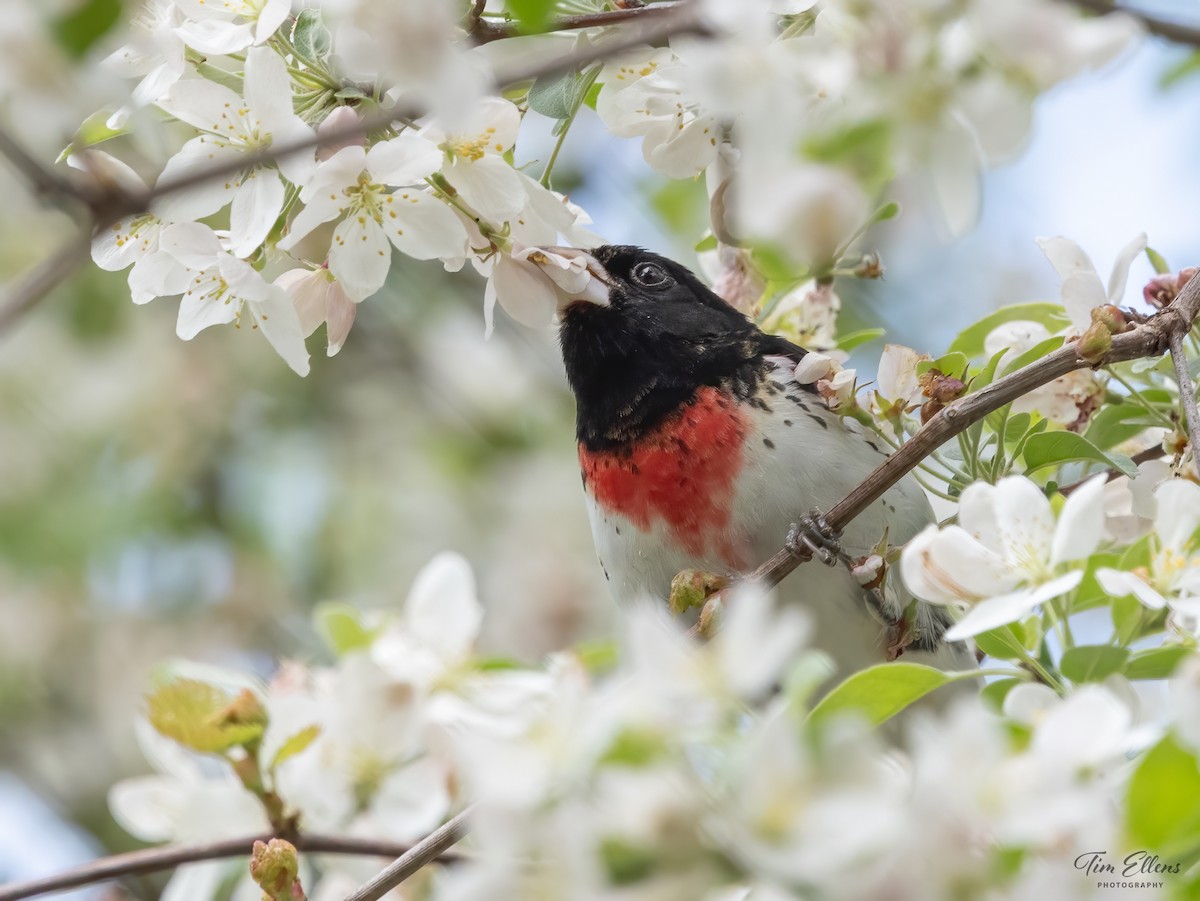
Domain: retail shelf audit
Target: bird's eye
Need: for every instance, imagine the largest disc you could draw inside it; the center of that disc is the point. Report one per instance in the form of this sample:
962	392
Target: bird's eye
649	275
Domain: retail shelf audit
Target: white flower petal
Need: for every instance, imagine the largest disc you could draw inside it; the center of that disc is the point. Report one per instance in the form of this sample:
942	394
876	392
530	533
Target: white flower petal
1178	515
977	515
1065	256
489	185
423	227
1008	608
270	17
442	611
157	275
256	205
360	256
215	37
1118	583
1081	293
307	289
204	199
955	171
245	282
949	566
1120	271
404	160
197	311
1081	523
525	292
1024	520
340	311
192	244
147	807
280	325
201	103
268	88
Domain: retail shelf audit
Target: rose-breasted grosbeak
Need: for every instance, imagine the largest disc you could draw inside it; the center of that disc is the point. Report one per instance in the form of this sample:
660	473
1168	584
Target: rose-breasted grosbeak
699	451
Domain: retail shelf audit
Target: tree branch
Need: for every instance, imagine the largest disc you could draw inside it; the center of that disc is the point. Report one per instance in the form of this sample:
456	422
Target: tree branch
153	860
1164	28
1187	394
1150	338
428	849
484	31
42	279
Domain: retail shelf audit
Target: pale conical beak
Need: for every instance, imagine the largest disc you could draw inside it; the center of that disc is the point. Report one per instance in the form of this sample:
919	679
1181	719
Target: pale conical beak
577	274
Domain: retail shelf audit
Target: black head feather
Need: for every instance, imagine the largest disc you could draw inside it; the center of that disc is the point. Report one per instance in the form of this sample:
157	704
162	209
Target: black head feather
663	336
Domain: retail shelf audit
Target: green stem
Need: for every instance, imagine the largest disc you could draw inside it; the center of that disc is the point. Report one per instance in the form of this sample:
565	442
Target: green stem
1136	397
587	80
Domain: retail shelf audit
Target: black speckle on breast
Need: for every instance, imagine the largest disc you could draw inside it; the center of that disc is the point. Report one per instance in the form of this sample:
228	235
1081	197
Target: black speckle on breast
769	443
818	420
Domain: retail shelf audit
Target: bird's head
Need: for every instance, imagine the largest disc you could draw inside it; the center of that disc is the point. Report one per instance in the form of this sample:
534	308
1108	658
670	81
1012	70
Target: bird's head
640	335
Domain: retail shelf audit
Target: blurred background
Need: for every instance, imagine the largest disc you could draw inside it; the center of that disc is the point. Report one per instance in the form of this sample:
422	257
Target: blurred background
162	499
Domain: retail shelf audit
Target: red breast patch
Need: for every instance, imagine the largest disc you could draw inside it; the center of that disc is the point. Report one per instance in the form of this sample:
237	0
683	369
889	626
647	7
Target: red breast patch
682	473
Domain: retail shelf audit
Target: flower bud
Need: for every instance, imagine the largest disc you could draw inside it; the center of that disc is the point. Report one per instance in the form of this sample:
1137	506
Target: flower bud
244	710
692	587
275	866
1111	318
868	572
870	266
1094	343
1164	288
938	386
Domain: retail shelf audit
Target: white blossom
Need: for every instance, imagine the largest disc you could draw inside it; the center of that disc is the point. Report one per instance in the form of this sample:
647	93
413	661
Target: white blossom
1081	288
1006	555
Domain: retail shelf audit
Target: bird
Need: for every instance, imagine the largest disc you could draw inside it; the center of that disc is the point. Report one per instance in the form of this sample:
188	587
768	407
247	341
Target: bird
698	450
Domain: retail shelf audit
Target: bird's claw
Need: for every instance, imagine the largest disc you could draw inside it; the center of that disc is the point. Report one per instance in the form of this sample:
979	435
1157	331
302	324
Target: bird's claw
812	534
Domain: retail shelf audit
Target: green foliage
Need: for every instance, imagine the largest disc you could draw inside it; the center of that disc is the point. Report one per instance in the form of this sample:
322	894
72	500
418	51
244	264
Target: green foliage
852	340
78	30
559	96
310	37
1162	809
193	713
532	15
295	744
1156	663
994	693
1092	663
864	148
970	340
342	629
1157	261
880	692
1057	448
635	748
626	862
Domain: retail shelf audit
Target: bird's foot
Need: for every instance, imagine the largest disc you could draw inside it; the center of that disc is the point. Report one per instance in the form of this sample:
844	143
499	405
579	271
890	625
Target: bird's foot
813	535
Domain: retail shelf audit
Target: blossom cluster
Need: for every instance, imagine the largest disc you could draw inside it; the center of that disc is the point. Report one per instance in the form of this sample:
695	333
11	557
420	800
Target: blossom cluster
663	767
798	112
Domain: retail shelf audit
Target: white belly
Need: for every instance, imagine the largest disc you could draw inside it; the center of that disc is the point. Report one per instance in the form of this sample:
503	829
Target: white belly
798	456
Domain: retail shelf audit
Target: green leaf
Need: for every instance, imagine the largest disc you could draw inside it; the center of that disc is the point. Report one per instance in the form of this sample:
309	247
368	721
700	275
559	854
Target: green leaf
593	93
1115	423
634	747
1156	663
864	149
295	744
189	711
626	862
221	76
952	364
1056	448
1089	593
598	657
1156	259
1163	800
1035	353
560	96
339	625
970	340
994	693
93	131
1180	70
84	25
851	340
708	242
1004	643
1092	663
310	37
532	15
879	693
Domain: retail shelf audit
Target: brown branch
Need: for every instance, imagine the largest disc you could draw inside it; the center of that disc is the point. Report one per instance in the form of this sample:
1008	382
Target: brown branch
483	31
1153	453
153	860
425	851
1187	394
109	203
42	279
1163	28
1148	339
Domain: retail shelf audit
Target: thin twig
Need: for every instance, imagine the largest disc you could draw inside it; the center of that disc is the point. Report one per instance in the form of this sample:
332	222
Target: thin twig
44	180
1187	394
1153	453
1164	28
1148	339
484	31
428	849
42	279
153	860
